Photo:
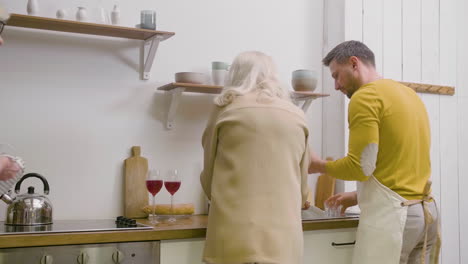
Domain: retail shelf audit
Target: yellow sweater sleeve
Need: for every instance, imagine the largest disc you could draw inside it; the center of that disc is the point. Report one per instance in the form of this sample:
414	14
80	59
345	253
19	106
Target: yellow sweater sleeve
363	117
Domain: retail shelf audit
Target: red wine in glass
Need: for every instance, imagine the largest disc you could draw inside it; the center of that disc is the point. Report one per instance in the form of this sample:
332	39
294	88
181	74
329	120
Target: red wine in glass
154	186
172	186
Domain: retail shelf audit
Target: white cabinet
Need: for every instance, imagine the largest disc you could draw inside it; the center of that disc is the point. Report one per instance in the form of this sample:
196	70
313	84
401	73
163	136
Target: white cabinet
182	251
329	246
318	248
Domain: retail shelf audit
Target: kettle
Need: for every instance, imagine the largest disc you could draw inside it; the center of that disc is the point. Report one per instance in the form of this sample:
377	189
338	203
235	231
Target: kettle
29	209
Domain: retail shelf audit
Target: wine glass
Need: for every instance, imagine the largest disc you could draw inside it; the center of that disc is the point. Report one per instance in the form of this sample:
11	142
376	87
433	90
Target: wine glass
153	184
172	184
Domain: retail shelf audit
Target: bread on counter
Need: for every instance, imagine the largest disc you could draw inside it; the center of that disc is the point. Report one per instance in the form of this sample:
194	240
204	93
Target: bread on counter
165	209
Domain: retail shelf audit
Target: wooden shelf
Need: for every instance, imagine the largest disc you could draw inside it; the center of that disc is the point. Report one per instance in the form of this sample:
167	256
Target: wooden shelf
176	89
193	88
152	37
70	26
307	95
430	88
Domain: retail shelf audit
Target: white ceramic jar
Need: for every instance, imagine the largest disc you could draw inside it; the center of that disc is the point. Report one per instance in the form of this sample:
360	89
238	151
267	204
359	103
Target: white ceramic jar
32	7
81	14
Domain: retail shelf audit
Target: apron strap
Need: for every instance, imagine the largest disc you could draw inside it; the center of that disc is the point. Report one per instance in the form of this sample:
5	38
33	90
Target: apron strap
428	219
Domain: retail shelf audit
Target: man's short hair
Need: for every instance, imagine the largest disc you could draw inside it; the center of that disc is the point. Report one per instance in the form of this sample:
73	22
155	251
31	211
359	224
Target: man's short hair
347	49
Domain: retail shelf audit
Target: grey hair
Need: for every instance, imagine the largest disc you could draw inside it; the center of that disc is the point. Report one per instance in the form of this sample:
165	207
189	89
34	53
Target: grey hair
251	71
347	49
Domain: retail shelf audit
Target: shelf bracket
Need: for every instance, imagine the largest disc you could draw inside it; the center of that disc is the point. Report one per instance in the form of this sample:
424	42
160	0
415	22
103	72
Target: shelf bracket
305	106
154	44
175	94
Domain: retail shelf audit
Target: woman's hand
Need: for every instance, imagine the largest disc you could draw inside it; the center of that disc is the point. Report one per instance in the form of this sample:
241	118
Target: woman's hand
8	168
345	199
306	205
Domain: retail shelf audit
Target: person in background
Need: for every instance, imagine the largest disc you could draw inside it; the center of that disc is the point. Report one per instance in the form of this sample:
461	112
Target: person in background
10	166
389	156
255	168
3	19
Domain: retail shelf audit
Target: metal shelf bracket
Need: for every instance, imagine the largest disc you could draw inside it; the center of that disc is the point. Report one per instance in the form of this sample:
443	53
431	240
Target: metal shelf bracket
154	44
175	94
306	103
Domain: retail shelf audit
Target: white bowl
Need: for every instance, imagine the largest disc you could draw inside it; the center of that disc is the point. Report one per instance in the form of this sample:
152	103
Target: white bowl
190	77
304	80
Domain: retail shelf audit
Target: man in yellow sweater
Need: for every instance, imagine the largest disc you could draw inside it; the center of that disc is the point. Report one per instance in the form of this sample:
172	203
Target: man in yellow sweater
389	156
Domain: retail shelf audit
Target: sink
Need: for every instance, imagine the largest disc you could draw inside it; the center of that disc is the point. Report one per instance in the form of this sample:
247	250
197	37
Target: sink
315	213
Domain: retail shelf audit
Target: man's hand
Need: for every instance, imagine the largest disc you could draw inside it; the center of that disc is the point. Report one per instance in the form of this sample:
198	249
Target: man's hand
345	199
8	168
306	205
316	165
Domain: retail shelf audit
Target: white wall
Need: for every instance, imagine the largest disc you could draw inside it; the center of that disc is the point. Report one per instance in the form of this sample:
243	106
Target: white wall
73	105
420	41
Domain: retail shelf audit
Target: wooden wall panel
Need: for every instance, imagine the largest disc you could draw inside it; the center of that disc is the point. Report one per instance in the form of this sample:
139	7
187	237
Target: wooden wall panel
462	92
430	74
411	39
448	137
463	172
392	40
333	123
373	29
353	20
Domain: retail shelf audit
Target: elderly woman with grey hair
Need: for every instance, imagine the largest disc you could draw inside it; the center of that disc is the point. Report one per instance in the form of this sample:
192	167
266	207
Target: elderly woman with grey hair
255	168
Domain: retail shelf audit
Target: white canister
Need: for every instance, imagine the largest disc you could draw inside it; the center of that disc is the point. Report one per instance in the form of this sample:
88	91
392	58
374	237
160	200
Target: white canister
81	14
115	15
32	7
61	13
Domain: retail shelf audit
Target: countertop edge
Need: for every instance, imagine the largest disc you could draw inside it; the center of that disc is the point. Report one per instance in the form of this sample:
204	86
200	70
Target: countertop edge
195	227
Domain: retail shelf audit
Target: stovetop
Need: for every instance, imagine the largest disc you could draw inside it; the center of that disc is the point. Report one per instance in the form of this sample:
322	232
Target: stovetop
66	226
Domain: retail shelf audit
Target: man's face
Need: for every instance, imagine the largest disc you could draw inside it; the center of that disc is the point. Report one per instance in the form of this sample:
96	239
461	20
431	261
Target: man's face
345	75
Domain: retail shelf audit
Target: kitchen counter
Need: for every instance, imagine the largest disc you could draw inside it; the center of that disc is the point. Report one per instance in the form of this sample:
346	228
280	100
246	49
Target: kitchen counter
191	227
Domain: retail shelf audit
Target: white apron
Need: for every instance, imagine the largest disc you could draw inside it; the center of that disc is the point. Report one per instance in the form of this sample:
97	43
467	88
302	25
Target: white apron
379	236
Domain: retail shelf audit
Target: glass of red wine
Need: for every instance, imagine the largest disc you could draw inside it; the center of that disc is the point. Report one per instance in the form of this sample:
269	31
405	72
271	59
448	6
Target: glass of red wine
172	184
153	184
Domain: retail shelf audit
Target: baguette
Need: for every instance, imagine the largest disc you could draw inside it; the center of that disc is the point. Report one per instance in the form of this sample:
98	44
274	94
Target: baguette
165	209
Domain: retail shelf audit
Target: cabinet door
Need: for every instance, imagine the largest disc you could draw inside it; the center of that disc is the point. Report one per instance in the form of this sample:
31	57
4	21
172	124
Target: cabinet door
323	246
182	251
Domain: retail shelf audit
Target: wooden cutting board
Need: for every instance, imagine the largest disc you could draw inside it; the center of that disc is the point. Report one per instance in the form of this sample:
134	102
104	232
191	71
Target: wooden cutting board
136	194
324	189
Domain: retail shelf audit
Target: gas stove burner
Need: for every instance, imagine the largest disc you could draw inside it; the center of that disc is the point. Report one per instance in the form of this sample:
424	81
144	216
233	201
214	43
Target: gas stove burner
122	221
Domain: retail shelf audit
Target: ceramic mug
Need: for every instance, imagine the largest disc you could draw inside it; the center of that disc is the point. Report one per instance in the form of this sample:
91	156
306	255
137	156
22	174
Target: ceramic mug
219	65
219	77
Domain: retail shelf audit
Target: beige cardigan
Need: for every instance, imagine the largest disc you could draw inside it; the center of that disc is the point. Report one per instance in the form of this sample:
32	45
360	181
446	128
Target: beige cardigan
255	174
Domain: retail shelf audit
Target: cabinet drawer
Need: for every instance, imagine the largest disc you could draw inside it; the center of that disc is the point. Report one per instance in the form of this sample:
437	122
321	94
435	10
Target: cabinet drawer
182	251
329	246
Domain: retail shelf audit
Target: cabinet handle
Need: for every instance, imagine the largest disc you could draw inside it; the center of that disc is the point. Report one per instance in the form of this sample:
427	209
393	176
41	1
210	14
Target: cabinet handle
343	244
